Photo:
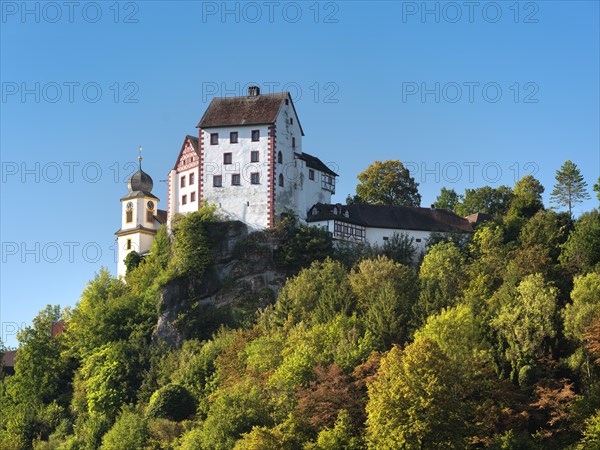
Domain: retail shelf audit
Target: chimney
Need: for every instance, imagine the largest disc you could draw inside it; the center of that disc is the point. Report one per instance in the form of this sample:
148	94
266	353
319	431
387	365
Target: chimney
432	206
253	91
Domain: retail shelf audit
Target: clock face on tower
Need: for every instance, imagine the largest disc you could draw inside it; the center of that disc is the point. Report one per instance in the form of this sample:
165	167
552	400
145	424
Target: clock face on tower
150	205
129	206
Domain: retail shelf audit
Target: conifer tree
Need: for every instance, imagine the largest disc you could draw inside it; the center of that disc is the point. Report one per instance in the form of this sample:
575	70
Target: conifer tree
570	186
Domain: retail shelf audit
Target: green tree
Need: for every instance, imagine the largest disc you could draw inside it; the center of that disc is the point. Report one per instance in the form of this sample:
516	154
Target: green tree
597	188
527	198
400	247
173	402
130	432
303	244
192	254
235	410
387	183
570	187
448	199
488	200
591	433
442	277
458	333
132	260
316	293
585	307
581	252
41	375
340	437
415	400
107	312
526	321
111	376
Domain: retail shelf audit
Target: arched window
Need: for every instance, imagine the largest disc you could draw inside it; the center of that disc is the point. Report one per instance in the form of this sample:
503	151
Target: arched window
129	212
281	179
279	158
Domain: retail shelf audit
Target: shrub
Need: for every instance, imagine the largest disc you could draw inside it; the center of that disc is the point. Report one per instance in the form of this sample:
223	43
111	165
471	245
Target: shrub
173	402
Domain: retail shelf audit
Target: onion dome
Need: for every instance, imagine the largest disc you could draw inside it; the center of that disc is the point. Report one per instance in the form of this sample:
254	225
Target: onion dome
140	181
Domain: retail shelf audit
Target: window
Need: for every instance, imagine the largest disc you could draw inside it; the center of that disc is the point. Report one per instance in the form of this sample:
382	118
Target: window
253	156
218	181
128	244
227	159
418	240
233	137
279	158
184	200
291	121
311	174
192	197
385	238
192	178
287	102
182	181
255	135
129	212
254	178
235	179
293	142
149	216
281	179
214	138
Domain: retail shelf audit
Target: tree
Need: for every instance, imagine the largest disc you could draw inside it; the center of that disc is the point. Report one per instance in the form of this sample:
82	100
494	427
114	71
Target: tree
488	200
415	400
387	183
316	294
442	278
527	198
191	250
129	432
40	373
579	315
526	321
597	188
171	402
448	199
570	187
581	252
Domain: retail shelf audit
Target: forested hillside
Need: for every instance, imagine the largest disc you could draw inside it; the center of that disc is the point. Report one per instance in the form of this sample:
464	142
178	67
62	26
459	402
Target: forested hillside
491	341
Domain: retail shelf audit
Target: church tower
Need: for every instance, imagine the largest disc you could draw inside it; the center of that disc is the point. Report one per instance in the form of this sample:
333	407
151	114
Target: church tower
141	218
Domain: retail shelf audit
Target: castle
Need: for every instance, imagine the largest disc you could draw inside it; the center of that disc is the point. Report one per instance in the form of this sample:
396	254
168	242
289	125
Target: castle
248	160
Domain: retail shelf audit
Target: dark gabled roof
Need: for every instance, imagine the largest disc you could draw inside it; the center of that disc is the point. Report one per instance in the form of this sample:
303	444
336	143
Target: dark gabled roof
193	141
315	163
161	216
261	109
393	217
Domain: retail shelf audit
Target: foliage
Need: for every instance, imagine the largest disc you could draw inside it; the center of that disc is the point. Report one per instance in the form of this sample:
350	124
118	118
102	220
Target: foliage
129	432
415	400
526	321
173	402
488	200
316	293
302	244
132	260
579	315
387	183
498	334
448	199
191	249
581	252
570	187
442	276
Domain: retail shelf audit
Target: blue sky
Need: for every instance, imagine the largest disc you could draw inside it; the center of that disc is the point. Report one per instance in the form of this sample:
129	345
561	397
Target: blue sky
466	98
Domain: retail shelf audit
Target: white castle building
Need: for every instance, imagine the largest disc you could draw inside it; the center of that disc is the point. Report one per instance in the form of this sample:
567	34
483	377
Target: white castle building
248	160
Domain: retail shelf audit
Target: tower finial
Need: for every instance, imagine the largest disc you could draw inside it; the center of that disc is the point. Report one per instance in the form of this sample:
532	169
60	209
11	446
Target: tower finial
140	157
